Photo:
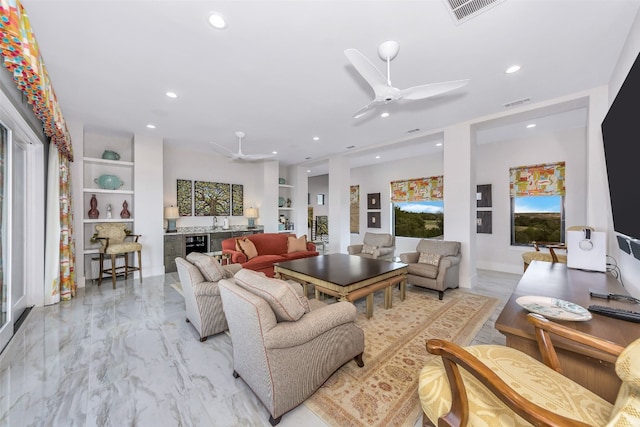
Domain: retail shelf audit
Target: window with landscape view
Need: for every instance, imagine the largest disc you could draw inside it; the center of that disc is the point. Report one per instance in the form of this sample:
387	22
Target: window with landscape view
537	203
418	207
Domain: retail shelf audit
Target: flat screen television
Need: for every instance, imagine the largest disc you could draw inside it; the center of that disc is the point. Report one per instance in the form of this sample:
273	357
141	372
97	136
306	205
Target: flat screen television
621	136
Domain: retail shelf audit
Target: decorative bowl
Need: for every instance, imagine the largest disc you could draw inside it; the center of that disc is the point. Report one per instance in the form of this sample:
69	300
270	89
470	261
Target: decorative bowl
108	182
110	155
281	202
282	181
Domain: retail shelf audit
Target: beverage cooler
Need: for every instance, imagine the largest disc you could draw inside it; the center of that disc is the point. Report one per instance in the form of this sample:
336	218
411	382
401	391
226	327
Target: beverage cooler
196	243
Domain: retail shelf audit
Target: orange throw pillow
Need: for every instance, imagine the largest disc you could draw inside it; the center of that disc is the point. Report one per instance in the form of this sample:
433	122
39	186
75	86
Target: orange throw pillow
248	248
297	244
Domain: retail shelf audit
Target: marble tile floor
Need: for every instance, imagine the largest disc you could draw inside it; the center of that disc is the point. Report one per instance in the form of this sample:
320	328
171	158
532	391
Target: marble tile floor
126	357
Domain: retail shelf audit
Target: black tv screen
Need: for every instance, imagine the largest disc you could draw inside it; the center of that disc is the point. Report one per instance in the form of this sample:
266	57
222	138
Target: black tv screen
621	136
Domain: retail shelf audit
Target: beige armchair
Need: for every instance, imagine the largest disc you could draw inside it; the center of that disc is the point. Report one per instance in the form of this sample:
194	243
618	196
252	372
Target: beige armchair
112	238
499	385
201	294
434	265
286	361
375	245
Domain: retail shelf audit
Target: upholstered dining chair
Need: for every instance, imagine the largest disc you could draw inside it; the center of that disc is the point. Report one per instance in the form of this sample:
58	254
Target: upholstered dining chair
551	255
112	243
498	385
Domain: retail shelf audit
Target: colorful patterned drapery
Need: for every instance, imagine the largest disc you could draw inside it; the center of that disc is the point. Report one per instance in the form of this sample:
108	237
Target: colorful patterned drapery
417	189
60	246
21	56
537	180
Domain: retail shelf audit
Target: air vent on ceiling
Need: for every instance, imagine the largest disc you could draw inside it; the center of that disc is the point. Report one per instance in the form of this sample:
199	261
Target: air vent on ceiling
413	130
463	10
516	102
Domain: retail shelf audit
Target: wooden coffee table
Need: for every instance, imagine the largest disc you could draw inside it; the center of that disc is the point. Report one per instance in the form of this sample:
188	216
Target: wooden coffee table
342	273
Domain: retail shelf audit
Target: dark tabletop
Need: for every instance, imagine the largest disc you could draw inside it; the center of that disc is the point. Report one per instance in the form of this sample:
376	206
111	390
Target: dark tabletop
341	269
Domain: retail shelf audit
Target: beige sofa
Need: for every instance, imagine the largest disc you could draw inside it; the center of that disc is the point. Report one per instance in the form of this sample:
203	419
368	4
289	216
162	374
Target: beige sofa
201	293
434	265
286	361
375	245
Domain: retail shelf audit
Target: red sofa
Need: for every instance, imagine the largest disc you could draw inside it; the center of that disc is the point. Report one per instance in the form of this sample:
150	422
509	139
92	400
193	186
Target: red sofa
271	247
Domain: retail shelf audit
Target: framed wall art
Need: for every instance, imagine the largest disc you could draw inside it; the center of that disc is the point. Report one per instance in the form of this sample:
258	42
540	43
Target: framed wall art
373	220
185	197
237	200
373	201
483	222
483	196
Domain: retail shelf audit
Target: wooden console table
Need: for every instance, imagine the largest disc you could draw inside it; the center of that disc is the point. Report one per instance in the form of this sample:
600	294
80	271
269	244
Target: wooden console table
590	368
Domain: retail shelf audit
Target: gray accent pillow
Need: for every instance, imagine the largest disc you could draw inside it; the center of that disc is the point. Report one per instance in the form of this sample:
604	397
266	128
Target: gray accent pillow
281	297
208	266
368	249
426	258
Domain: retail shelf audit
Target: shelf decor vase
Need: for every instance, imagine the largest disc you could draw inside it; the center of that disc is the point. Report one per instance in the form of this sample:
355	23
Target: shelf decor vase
125	214
108	182
110	155
93	213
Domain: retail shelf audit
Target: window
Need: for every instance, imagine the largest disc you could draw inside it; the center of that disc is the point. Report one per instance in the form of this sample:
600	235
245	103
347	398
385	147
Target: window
418	207
537	203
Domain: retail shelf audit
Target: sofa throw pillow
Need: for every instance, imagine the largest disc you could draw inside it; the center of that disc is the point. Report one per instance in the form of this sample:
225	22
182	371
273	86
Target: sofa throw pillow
297	244
298	289
426	258
368	249
281	297
248	248
210	268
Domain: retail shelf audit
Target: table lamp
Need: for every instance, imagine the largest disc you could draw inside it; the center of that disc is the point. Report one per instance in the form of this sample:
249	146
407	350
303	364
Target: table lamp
251	214
171	214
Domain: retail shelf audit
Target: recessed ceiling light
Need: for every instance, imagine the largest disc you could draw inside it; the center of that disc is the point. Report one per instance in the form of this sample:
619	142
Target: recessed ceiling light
316	138
217	21
439	144
385	114
172	95
531	125
150	126
274	152
512	69
308	170
377	157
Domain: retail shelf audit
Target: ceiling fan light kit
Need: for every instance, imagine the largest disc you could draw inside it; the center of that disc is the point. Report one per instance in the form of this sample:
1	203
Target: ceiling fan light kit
383	90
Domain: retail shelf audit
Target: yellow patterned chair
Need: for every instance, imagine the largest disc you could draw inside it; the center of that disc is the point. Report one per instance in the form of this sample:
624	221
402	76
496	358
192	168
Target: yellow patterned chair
500	386
112	243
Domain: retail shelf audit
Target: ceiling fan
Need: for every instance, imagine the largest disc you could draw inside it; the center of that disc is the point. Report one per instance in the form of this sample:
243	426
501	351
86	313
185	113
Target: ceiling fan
382	88
240	155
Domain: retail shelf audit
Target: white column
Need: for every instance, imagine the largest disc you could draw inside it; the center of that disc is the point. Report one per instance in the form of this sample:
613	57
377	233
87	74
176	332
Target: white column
339	216
460	197
148	209
76	130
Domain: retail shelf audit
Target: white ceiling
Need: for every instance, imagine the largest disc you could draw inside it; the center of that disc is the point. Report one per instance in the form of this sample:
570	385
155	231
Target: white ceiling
278	72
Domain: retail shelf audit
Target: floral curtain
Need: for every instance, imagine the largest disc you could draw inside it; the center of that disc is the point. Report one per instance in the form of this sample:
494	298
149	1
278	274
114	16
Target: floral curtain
417	189
537	180
60	245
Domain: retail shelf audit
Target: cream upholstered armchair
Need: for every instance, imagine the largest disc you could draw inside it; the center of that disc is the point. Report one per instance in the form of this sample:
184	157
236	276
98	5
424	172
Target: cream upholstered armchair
434	265
498	385
112	243
199	276
552	247
285	346
375	245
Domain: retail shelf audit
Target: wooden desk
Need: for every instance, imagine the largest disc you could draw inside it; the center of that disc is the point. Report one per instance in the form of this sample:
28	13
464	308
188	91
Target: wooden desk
590	368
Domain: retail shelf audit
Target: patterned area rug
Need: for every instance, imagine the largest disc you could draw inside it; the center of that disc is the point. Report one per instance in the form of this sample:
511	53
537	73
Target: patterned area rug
385	391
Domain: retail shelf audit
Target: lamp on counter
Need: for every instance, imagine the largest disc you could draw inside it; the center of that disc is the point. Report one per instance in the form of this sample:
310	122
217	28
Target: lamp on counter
171	213
251	214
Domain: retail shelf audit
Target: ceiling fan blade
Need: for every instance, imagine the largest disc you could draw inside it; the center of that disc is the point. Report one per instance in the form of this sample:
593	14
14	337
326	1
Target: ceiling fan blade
364	110
433	89
367	70
220	146
251	157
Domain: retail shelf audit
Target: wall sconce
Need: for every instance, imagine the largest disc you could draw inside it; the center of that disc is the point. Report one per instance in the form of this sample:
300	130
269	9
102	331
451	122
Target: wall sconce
171	213
251	214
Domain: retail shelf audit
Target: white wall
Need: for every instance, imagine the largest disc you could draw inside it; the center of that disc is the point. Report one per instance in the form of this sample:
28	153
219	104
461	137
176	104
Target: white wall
494	251
180	163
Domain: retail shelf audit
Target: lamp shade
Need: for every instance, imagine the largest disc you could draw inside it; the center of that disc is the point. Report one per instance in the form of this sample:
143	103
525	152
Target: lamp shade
251	213
171	212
